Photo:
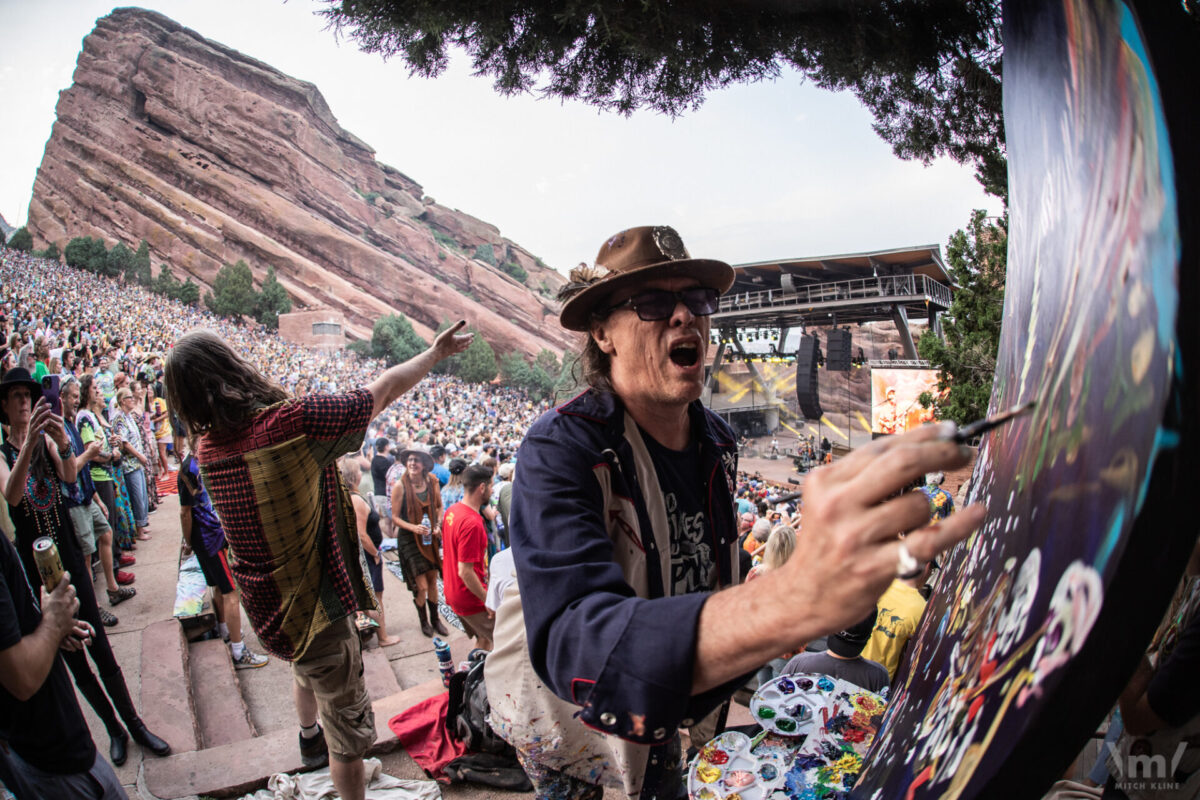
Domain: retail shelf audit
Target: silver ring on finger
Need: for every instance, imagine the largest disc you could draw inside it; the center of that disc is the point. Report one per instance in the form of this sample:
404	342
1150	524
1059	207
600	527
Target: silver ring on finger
906	566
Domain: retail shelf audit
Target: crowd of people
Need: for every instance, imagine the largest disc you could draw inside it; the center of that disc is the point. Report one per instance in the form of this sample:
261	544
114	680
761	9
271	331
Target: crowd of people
659	579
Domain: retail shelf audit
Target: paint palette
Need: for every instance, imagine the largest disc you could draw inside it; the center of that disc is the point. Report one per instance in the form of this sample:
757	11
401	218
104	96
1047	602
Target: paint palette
728	768
789	705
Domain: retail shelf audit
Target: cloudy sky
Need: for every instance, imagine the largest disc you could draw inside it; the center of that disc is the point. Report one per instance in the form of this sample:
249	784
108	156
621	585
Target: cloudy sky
762	171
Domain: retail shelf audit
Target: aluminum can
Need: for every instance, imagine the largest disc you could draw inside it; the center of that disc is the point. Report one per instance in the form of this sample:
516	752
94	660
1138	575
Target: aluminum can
49	565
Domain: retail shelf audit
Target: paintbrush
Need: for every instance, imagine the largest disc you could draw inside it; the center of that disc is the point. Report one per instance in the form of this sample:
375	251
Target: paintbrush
982	426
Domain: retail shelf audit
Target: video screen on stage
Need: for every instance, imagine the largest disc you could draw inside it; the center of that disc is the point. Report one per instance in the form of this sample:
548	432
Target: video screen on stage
894	404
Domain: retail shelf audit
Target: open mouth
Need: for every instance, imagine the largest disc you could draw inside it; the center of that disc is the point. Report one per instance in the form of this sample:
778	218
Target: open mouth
685	355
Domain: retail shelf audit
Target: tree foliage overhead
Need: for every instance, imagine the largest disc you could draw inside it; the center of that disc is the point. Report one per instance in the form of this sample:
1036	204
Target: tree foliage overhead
928	71
966	360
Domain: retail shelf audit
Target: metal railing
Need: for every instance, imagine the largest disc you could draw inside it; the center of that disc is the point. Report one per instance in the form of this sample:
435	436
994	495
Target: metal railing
885	289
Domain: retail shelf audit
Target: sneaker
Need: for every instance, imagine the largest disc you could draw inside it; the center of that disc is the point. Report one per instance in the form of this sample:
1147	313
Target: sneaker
313	752
250	660
126	560
125	578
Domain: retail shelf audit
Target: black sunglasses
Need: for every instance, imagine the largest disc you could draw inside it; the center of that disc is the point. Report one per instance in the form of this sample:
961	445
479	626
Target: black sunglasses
659	304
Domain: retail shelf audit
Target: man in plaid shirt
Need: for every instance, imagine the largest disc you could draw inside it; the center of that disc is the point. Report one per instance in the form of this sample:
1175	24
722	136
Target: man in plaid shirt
268	461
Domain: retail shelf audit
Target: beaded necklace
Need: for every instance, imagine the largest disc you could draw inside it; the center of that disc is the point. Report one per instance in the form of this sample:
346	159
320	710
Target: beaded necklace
40	497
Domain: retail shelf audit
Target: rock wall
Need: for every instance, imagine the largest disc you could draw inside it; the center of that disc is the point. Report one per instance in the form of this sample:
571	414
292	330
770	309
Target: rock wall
212	156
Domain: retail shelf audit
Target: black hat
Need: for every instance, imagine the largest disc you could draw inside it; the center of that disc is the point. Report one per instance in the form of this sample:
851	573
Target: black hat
18	376
456	466
850	642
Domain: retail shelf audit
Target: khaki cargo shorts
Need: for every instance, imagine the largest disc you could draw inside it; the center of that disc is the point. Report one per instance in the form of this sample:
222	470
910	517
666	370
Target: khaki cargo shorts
333	669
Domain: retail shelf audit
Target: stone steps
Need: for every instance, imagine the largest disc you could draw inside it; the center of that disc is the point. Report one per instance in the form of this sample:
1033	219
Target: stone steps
192	697
237	768
168	707
221	713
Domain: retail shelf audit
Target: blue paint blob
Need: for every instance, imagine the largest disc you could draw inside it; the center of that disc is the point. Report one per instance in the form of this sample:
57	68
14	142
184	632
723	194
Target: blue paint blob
825	685
785	686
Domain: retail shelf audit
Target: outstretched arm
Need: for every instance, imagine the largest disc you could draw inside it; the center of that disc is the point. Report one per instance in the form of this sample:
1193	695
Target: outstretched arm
388	387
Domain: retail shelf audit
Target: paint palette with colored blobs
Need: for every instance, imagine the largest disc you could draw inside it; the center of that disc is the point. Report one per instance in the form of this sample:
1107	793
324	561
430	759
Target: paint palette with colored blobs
790	704
729	768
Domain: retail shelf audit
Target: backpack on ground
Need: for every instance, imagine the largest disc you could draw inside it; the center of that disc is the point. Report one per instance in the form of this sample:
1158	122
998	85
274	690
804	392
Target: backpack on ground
490	760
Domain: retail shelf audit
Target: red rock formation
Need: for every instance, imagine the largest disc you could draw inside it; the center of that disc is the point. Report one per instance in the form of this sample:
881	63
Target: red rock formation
211	157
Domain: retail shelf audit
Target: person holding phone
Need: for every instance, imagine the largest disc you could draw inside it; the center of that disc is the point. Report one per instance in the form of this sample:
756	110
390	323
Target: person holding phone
35	458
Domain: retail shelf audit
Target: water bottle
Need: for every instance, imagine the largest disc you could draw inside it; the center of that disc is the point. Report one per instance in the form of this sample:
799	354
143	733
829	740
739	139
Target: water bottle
445	665
427	536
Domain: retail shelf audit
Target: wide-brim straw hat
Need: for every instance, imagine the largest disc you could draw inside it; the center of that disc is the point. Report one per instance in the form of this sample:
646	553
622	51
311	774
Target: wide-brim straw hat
421	453
18	376
633	257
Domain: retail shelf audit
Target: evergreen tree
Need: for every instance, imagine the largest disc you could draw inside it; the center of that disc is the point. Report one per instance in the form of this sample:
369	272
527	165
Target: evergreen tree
166	283
476	364
232	292
21	240
394	340
966	360
272	301
119	261
78	251
188	293
141	264
50	253
98	257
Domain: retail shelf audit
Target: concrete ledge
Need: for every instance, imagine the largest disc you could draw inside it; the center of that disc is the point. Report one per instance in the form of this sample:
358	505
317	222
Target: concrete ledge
221	713
240	767
167	705
377	673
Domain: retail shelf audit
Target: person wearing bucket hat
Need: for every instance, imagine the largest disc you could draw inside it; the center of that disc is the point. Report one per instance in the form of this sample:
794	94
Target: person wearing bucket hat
615	635
268	461
417	521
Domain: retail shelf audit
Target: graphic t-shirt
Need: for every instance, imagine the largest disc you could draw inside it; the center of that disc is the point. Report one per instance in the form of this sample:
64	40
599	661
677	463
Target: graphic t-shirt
900	610
693	563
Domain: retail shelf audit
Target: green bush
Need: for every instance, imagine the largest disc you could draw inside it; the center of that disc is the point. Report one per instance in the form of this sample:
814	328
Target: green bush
485	254
21	240
51	252
445	240
515	270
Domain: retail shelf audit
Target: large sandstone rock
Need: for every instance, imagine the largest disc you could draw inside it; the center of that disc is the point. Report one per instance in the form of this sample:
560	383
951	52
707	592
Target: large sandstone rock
211	157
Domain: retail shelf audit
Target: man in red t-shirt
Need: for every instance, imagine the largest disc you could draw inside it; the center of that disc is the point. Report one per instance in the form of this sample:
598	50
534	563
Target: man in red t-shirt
464	556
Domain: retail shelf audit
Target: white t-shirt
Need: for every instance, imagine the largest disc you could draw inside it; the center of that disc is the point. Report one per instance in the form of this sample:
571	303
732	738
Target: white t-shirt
501	572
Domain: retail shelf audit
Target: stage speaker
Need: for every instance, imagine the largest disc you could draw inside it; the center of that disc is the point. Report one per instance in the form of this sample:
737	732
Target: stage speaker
838	356
807	391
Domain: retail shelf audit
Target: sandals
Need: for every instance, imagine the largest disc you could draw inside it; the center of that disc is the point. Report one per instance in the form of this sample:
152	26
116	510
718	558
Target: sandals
119	595
107	617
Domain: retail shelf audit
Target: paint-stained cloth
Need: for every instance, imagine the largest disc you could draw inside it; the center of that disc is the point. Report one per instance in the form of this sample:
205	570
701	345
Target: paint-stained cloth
592	676
288	518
